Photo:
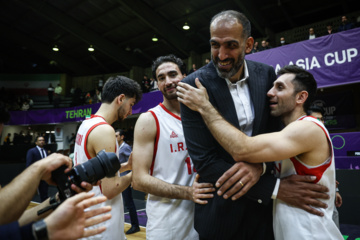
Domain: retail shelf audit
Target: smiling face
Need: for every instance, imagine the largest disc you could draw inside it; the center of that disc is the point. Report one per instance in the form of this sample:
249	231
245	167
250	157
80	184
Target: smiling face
168	75
228	47
282	95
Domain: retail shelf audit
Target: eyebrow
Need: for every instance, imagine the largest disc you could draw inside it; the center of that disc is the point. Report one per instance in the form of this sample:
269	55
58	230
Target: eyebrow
229	41
169	72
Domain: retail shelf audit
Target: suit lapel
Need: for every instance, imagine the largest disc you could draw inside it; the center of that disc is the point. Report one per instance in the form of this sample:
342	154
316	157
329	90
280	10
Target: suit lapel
258	95
221	97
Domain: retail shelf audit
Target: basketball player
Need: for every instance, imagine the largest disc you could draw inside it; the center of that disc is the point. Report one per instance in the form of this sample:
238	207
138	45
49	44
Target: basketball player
304	143
95	134
162	166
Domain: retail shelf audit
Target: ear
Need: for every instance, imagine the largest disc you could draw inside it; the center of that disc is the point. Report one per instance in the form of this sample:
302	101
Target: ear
301	97
120	98
249	44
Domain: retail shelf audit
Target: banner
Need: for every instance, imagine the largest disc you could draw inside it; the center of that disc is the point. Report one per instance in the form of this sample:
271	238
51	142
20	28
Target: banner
339	110
76	114
333	59
346	150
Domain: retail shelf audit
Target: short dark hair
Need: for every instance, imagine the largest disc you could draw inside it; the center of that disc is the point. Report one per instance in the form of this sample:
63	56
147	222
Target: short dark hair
37	137
4	115
240	17
315	108
303	81
121	132
169	58
117	85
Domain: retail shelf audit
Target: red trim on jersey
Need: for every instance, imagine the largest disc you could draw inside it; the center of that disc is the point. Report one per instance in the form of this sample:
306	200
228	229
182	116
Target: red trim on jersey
94	116
316	171
86	138
156	141
172	114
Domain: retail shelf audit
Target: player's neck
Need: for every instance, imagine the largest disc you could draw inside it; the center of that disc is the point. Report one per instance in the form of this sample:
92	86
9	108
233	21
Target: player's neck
172	105
292	116
107	113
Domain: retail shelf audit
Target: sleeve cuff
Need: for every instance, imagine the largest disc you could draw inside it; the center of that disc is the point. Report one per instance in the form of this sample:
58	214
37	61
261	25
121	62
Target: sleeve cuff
276	189
264	169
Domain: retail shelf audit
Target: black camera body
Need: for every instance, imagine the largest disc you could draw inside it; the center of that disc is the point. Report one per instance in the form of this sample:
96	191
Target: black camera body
103	165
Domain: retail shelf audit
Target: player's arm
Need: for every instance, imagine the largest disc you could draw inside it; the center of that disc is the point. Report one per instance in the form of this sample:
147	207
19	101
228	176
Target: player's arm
143	149
103	137
262	148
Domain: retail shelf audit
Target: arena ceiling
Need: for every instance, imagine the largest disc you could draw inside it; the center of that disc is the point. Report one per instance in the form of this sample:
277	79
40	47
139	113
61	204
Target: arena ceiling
121	30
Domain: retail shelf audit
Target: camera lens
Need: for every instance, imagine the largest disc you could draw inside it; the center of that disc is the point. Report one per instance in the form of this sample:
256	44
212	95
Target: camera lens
103	165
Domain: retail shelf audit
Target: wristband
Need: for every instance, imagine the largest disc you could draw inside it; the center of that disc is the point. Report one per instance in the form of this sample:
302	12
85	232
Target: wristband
39	230
337	189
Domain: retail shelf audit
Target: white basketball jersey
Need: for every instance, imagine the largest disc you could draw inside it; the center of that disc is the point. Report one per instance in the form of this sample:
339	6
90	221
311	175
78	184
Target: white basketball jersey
115	225
297	224
170	219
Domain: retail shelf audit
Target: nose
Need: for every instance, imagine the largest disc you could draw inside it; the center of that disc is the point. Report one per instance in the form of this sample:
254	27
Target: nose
168	81
271	93
222	55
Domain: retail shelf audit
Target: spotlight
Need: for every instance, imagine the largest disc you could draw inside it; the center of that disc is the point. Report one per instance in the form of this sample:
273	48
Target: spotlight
186	26
155	39
55	48
91	48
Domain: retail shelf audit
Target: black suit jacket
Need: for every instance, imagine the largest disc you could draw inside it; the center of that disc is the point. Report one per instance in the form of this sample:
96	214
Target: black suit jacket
250	217
32	156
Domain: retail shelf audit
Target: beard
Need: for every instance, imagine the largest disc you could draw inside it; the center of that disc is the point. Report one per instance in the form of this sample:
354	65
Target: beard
170	96
235	68
121	114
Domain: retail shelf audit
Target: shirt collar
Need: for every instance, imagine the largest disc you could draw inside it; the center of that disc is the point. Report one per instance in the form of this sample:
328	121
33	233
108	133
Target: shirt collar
243	80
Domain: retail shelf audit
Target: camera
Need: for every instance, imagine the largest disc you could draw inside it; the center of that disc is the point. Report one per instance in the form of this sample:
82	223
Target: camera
103	165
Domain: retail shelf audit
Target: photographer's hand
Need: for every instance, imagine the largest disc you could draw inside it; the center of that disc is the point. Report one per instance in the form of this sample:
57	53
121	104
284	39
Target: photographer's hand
52	162
69	220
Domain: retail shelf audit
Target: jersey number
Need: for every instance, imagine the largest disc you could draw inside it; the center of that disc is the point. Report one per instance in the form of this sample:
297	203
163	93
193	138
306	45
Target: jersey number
188	163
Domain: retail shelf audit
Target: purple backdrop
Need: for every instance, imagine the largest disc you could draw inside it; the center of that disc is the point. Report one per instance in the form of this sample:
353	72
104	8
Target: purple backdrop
345	144
78	113
333	60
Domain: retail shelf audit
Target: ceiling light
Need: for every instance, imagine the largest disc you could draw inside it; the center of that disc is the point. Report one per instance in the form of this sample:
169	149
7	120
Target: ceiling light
186	26
91	48
55	48
155	39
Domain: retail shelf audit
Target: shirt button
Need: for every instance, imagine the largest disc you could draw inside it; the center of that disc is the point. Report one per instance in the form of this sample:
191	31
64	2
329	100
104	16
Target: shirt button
260	201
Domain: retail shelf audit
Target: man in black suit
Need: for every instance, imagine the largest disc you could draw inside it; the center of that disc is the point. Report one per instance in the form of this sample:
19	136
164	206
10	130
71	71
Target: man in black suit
33	155
237	88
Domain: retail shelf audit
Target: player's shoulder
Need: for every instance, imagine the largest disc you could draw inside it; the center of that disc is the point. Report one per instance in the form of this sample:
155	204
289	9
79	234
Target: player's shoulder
103	130
304	129
145	119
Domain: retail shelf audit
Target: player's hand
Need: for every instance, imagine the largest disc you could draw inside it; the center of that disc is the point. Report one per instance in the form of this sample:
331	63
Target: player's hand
302	192
200	191
193	98
85	186
338	200
236	181
52	162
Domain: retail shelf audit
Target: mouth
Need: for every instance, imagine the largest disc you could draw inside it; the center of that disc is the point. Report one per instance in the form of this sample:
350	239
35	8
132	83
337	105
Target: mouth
227	63
273	104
